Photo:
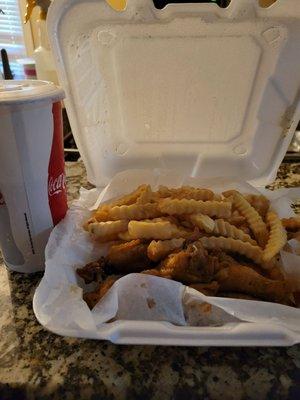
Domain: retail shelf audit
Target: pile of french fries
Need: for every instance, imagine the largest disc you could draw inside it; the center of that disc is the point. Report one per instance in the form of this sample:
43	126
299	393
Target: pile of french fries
168	221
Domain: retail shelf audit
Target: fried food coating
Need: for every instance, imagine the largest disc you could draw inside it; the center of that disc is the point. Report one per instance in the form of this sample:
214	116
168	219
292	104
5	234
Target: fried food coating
190	265
291	224
92	298
209	289
159	249
92	271
241	296
128	257
242	279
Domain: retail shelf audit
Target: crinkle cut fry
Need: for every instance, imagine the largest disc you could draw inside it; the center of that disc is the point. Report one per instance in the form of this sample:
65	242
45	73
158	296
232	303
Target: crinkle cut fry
151	229
134	212
127	199
147	196
259	202
219	227
224	228
102	213
202	221
101	230
184	206
186	192
236	219
125	236
254	220
277	238
233	245
230	193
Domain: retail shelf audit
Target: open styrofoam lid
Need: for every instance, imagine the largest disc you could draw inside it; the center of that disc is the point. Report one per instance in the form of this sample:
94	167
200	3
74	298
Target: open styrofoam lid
193	87
23	91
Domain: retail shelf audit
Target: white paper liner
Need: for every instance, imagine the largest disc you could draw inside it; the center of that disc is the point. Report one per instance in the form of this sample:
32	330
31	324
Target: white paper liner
58	300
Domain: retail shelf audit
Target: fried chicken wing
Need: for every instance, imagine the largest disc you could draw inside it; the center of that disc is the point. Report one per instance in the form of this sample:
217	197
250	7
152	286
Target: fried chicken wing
209	289
294	235
233	295
276	273
188	266
242	279
291	224
158	272
91	272
92	298
128	257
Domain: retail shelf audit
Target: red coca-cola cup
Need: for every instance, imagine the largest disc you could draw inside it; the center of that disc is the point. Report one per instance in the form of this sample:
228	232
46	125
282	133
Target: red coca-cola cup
32	179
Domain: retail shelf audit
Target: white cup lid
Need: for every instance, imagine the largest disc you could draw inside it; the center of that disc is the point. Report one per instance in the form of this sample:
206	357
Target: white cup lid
21	91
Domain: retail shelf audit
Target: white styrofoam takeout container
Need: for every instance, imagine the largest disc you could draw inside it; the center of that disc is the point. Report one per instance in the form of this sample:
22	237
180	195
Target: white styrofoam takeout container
211	91
208	91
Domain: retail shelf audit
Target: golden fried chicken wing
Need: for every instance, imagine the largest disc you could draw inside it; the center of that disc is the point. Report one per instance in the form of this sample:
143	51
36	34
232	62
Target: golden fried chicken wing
209	289
276	273
128	257
233	295
158	272
92	298
190	265
291	224
293	235
92	271
242	279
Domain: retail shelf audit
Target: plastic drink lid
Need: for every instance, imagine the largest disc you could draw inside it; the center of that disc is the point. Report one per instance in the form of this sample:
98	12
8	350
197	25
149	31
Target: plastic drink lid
21	91
26	61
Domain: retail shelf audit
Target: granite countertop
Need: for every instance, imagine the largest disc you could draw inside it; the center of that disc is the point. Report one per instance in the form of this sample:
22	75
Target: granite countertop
36	364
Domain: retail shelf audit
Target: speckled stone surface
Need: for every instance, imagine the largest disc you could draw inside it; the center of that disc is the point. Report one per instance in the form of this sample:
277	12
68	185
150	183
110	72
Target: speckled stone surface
36	364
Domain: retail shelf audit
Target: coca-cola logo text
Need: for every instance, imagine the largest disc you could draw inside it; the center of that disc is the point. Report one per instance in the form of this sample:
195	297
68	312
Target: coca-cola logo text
56	185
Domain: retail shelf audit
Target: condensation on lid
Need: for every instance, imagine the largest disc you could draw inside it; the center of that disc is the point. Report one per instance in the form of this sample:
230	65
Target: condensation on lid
23	91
